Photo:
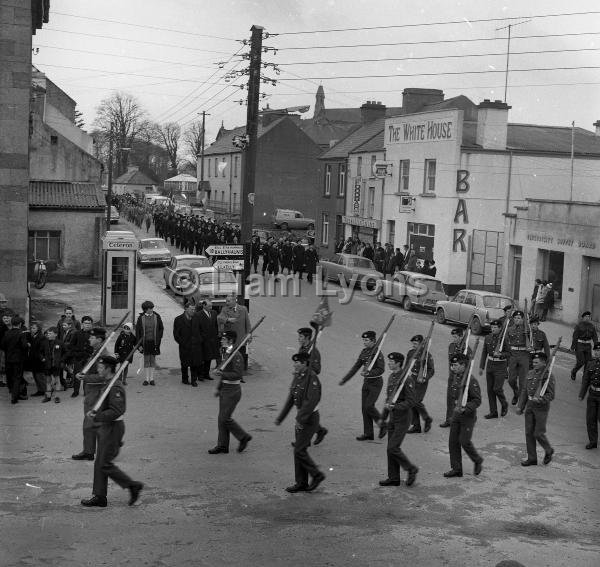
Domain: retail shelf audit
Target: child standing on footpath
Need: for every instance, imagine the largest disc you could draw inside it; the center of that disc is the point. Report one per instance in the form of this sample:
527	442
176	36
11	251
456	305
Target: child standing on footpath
53	364
123	347
149	329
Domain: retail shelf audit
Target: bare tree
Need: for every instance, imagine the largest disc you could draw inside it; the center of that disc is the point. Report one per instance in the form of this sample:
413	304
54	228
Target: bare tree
122	115
192	139
168	136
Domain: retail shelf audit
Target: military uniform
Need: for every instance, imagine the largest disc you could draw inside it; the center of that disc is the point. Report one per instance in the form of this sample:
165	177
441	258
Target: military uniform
453	348
584	335
495	364
305	394
421	379
315	364
518	362
591	386
539	343
399	421
372	385
536	413
463	423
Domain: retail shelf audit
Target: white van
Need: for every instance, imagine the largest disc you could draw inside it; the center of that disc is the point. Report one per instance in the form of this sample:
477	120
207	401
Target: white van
287	218
158	200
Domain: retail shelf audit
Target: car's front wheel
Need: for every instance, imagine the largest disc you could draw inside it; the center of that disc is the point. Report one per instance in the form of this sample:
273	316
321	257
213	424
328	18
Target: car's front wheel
407	304
440	316
381	296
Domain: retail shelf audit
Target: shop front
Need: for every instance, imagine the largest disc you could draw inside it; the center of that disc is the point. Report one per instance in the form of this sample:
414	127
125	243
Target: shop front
367	230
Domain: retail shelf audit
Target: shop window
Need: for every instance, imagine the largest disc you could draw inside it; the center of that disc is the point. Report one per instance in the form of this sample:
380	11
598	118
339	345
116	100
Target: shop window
429	181
44	245
325	229
403	175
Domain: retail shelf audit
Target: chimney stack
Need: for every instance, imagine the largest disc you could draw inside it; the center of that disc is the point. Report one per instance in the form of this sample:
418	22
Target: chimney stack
371	111
597	126
413	100
492	124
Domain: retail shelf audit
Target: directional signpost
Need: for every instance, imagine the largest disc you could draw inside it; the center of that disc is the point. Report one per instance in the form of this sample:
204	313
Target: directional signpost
231	257
225	250
229	264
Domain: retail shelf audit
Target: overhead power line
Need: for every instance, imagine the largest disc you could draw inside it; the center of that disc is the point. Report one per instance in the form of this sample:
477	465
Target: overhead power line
142	26
130	40
443	73
498	54
443	23
433	41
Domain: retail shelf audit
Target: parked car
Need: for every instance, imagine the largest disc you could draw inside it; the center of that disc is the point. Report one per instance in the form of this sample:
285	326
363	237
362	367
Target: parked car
412	289
216	284
348	266
177	272
153	251
287	218
474	308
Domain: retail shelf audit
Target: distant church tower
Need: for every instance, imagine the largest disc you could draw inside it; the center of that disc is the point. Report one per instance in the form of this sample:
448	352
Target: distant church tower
320	101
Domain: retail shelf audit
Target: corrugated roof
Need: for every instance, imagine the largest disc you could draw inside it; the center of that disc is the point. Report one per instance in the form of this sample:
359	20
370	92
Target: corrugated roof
65	195
354	140
224	145
134	177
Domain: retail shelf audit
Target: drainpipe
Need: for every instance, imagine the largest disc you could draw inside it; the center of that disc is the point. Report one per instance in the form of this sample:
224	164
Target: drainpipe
510	160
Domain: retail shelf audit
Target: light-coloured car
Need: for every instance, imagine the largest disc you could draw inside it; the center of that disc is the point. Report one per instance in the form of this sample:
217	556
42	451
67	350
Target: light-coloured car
474	308
153	251
287	218
215	284
350	267
412	289
180	267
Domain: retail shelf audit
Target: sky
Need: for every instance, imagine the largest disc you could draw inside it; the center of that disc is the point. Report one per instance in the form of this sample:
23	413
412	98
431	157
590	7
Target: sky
167	54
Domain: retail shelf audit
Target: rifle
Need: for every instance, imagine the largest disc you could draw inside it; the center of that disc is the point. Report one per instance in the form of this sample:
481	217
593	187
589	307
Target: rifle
465	344
115	377
549	367
467	378
528	337
91	362
504	329
379	344
425	352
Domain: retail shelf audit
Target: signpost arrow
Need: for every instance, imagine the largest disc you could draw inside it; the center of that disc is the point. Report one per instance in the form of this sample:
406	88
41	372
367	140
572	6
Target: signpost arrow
225	250
229	264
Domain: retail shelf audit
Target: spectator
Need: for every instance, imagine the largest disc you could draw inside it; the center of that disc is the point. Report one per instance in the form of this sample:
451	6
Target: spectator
37	358
53	364
5	324
205	329
67	315
14	345
149	328
124	347
539	301
534	295
548	303
311	258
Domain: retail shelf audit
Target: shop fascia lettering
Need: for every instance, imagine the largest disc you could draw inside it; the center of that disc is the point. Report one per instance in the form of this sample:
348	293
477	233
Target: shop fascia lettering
425	131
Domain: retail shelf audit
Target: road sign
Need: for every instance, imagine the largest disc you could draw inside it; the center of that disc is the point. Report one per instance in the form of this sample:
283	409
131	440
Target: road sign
229	264
225	250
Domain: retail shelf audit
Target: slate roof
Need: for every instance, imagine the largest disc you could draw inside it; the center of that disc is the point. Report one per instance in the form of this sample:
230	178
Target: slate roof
354	140
135	177
375	144
224	145
65	195
182	177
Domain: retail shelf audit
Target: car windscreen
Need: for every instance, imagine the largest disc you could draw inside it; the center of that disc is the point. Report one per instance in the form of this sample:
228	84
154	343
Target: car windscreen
153	244
495	302
360	263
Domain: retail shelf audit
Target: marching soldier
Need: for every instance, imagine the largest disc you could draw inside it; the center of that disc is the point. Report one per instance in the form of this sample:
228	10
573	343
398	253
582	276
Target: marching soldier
305	394
109	418
229	392
591	386
539	340
536	408
373	382
456	346
584	336
494	363
421	377
463	419
400	417
517	337
305	340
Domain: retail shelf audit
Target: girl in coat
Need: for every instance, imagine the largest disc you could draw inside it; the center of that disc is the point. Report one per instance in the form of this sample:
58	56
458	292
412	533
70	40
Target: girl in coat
149	328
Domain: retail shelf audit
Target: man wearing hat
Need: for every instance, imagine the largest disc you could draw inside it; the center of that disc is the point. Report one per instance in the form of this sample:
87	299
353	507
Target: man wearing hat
421	377
517	337
92	386
78	350
304	341
190	354
584	337
305	394
463	418
399	421
591	386
456	346
111	427
373	382
536	408
539	340
229	392
494	362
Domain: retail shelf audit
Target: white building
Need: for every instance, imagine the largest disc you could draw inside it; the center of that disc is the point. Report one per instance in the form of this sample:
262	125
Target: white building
453	180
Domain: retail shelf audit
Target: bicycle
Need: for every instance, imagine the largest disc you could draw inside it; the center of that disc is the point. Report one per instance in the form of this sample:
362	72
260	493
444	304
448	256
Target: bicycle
40	274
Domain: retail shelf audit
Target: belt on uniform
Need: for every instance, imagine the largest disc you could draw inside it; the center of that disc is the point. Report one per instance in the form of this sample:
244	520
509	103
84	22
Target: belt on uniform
230	381
496	359
587	341
519	348
594	389
373	377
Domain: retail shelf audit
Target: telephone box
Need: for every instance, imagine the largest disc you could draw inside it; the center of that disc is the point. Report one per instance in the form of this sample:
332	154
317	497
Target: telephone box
119	249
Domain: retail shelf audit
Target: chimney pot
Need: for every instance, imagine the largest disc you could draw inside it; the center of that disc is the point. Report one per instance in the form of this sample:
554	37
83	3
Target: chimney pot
597	125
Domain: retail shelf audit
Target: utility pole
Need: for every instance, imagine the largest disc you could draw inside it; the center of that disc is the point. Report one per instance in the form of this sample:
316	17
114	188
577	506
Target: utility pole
201	189
247	193
110	179
572	158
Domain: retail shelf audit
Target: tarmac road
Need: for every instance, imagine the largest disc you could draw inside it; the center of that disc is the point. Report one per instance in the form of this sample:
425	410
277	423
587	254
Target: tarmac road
199	509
